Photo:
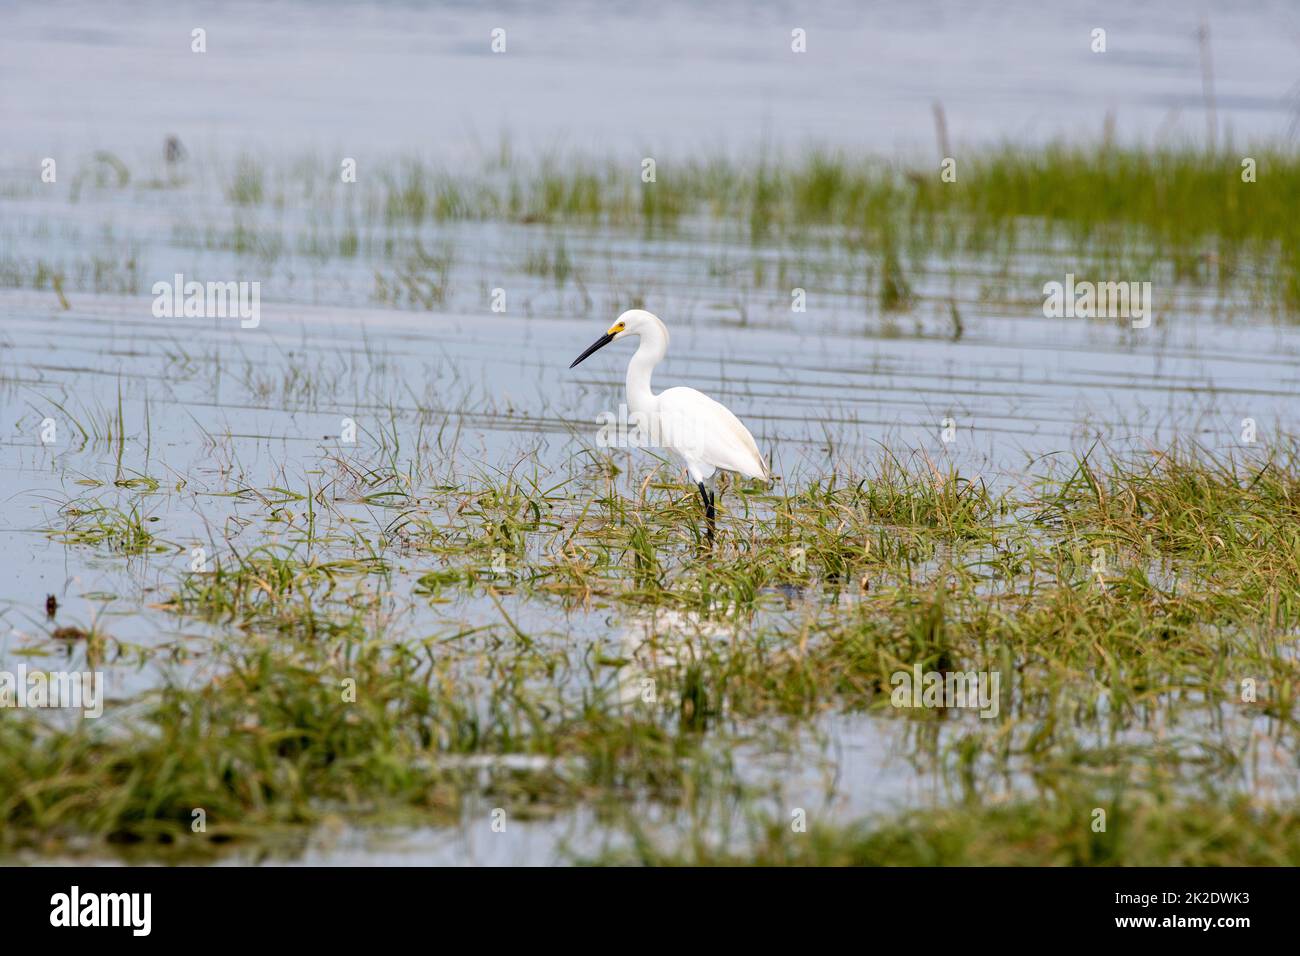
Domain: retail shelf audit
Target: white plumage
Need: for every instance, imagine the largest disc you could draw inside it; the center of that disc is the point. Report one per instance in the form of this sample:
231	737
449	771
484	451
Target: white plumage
703	433
712	438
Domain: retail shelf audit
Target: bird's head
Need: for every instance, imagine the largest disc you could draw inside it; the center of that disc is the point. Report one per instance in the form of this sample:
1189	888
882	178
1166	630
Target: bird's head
636	322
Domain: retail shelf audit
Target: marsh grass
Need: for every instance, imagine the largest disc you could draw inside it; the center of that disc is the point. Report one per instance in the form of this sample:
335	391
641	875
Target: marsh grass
890	231
1121	688
1047	833
421	280
384	641
1125	209
247	187
124	530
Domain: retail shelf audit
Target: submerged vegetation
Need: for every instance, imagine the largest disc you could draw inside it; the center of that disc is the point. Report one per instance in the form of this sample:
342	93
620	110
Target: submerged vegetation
1141	615
903	232
416	627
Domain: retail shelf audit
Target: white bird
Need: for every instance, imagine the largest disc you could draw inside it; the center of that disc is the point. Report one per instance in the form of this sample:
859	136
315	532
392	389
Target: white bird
703	433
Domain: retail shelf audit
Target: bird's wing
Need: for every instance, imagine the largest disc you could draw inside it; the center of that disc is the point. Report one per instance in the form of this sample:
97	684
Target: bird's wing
700	428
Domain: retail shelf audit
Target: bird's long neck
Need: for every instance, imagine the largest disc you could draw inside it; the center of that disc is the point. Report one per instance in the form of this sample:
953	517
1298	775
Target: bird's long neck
648	354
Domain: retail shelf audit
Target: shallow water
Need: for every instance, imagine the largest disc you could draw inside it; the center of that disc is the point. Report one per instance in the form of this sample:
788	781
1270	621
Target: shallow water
626	77
1019	387
212	410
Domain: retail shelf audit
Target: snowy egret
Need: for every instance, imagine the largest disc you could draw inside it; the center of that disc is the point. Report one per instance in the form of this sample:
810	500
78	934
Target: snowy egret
703	433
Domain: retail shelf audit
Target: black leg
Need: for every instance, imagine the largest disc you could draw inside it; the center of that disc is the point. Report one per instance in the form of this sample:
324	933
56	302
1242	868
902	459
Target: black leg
707	497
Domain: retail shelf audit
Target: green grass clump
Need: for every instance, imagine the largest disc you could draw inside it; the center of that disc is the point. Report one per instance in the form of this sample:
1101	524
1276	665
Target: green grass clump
1139	612
248	187
1019	833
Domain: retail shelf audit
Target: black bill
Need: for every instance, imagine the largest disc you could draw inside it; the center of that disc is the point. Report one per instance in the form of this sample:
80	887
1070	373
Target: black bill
596	346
